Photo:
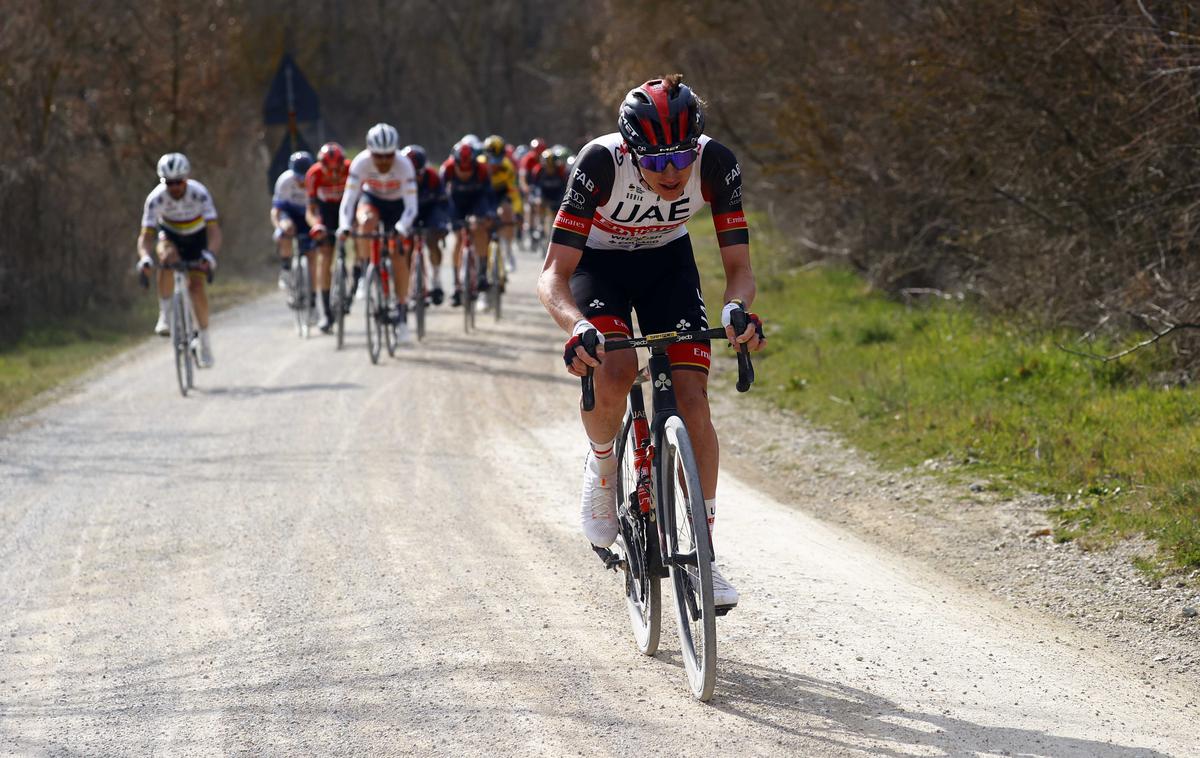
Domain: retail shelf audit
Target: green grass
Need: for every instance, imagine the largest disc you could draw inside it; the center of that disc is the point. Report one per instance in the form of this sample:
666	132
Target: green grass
939	380
53	353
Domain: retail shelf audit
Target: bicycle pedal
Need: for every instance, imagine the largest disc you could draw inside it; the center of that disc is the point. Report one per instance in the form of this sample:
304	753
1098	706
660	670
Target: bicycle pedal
610	559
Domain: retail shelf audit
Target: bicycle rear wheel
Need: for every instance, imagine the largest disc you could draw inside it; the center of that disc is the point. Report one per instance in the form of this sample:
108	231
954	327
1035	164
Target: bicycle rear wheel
179	342
374	311
637	542
685	524
337	301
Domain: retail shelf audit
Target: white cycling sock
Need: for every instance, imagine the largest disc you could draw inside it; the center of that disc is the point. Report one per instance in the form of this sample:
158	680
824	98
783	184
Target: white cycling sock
710	505
164	304
605	455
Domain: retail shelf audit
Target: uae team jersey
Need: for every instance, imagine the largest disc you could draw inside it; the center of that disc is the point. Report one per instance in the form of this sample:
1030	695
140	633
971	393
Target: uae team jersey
398	183
607	206
184	216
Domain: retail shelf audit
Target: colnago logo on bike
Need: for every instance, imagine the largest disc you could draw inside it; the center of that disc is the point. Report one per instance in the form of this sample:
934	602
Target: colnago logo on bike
662	383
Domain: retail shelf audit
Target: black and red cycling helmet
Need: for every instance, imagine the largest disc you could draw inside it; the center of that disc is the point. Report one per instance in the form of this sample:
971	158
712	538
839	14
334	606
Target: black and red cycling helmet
661	116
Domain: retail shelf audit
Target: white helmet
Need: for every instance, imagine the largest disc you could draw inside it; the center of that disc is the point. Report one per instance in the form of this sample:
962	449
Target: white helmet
383	139
173	166
474	141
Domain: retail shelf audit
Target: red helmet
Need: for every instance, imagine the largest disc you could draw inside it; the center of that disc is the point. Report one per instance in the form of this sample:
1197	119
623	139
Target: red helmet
661	116
464	153
538	145
331	154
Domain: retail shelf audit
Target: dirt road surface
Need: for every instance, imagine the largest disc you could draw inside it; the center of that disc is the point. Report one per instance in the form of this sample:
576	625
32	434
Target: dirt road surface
316	556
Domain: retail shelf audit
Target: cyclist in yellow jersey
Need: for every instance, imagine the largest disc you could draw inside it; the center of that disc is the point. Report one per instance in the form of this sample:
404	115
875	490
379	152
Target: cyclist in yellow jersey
506	194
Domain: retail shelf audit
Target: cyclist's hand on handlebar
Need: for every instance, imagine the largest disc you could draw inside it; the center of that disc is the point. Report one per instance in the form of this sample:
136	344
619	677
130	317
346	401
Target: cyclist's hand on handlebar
343	232
210	259
575	356
752	337
144	264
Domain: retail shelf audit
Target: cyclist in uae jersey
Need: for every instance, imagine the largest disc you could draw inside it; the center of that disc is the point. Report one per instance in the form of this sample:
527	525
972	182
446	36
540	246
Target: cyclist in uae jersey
179	221
325	182
620	246
525	166
433	217
469	189
388	188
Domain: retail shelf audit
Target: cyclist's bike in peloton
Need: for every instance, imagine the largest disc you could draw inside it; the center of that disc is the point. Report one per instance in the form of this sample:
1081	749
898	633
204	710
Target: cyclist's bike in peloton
663	524
185	332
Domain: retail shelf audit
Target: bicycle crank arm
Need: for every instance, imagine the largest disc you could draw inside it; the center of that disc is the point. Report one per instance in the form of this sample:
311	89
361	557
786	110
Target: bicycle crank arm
682	559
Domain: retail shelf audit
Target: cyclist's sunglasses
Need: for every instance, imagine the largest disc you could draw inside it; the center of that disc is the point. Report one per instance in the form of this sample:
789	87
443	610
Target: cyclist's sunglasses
174	182
658	163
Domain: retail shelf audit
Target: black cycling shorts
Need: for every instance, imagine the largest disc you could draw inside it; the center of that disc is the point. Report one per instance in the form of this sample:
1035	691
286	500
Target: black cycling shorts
190	246
660	284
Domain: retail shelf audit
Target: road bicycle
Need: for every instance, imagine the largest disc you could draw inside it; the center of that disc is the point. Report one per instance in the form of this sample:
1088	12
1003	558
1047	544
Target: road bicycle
420	268
468	277
185	333
662	520
497	271
340	294
300	291
379	281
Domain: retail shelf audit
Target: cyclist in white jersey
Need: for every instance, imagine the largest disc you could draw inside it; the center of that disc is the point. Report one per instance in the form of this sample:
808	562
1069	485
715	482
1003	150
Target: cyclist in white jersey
289	220
388	191
179	221
620	246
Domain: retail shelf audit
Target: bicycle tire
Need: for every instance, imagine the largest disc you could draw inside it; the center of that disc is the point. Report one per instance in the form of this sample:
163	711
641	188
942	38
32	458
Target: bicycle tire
637	537
419	298
469	288
497	289
389	325
373	304
179	343
681	508
300	296
338	301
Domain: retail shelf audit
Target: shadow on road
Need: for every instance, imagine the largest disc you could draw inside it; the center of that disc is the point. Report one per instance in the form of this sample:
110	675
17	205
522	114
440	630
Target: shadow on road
284	389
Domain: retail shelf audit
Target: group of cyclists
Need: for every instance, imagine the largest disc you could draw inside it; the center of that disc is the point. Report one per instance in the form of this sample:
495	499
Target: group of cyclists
619	246
482	188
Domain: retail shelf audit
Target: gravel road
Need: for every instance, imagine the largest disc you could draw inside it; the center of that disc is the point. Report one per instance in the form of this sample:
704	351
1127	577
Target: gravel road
316	556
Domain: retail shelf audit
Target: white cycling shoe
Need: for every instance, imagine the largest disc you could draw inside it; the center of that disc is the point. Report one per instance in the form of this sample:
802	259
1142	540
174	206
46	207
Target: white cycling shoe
161	328
403	335
725	596
598	512
205	359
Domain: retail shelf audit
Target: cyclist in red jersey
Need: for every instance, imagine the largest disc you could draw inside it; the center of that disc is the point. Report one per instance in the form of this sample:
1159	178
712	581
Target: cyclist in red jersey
525	168
619	246
325	183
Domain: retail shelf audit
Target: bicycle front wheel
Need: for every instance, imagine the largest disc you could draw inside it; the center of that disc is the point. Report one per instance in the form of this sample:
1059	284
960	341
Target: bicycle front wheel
496	291
179	341
690	556
637	542
469	289
375	312
338	301
419	294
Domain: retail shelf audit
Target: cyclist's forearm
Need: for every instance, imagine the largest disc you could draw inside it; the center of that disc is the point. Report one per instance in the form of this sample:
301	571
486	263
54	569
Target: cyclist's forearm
554	286
145	243
739	276
214	238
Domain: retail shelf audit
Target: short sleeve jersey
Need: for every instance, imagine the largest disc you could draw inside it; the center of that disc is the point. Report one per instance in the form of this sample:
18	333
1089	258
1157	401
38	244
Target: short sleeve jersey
607	206
326	185
290	194
398	183
187	215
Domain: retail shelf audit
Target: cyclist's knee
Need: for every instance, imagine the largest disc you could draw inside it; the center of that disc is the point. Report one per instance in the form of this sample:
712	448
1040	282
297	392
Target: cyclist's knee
615	376
691	391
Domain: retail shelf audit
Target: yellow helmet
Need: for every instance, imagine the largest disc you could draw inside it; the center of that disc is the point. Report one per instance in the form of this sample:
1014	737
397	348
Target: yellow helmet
493	147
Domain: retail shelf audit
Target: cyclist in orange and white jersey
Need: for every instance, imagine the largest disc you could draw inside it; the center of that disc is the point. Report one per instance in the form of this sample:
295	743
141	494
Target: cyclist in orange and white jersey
387	187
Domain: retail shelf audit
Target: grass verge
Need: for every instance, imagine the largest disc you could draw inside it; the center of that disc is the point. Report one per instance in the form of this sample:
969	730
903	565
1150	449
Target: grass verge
1113	443
56	352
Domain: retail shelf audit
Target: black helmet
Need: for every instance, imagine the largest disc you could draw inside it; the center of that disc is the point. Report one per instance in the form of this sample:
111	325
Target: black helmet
661	116
300	161
416	154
